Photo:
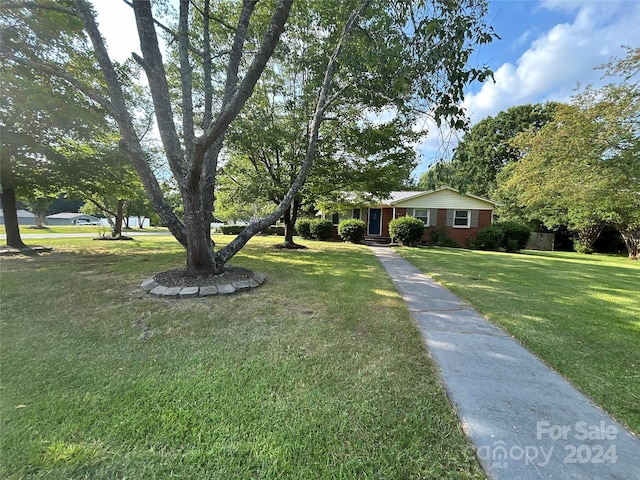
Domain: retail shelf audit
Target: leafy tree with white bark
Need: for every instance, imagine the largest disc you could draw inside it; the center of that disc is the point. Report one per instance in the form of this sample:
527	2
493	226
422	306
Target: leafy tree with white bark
404	56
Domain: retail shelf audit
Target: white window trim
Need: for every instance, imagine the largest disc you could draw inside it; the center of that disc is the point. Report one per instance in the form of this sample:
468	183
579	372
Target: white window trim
413	214
468	225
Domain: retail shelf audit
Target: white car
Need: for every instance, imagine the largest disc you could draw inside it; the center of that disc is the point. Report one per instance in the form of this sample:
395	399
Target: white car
82	221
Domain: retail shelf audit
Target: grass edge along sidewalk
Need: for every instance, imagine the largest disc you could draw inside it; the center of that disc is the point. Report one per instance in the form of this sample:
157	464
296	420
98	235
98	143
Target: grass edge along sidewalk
319	373
578	313
512	406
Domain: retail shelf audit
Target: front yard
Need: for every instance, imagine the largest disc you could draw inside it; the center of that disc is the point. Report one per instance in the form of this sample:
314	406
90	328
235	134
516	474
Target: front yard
319	373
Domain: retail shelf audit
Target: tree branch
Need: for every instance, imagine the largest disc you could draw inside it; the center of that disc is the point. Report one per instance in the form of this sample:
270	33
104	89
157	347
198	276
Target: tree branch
99	205
206	15
130	142
169	31
159	87
237	49
240	241
186	79
206	66
37	6
61	73
232	107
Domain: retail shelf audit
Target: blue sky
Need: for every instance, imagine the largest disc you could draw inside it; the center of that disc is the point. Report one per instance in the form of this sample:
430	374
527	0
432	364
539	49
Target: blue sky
547	48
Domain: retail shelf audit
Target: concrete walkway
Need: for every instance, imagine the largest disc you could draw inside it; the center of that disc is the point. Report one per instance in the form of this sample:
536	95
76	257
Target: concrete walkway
525	421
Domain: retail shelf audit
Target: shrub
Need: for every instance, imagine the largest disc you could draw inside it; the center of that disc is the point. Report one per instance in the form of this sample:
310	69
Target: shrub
582	248
407	230
516	235
321	228
352	230
303	227
512	245
439	238
490	238
231	229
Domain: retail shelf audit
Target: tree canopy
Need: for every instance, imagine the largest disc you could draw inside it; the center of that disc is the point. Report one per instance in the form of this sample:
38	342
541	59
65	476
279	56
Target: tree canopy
55	139
405	58
355	153
583	168
486	149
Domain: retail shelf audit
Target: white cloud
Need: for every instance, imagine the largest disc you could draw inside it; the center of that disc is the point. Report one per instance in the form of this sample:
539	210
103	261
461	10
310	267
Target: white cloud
553	65
522	39
561	58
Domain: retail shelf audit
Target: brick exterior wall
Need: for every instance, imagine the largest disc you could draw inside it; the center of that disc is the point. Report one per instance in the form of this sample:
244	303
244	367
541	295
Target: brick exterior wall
461	235
387	216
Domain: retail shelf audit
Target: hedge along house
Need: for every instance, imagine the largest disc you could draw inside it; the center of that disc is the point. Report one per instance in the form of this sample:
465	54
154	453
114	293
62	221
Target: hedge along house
460	216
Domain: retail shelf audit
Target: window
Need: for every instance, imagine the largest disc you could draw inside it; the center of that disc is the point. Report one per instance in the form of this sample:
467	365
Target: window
461	218
356	213
335	218
422	214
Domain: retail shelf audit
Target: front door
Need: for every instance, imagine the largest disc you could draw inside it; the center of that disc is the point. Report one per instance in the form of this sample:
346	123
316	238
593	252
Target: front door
375	217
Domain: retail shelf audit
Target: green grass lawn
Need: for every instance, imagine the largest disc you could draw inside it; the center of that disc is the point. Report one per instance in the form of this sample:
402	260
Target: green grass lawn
579	313
26	230
319	373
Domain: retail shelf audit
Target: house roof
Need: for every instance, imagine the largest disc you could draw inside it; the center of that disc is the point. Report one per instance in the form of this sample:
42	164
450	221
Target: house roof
442	197
70	216
397	197
21	214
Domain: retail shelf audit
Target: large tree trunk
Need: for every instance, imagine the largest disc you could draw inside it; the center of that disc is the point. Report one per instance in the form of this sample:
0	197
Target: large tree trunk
201	258
11	218
39	207
116	232
632	241
289	228
9	209
40	218
290	216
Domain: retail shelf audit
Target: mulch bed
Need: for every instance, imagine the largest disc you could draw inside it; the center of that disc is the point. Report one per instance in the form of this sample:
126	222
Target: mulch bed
121	237
176	278
288	246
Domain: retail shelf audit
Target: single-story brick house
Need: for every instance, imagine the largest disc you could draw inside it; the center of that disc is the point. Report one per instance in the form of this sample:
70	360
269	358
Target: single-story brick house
461	216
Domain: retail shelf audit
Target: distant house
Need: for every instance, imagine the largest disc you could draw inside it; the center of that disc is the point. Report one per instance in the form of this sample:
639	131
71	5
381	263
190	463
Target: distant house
24	217
460	216
65	218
